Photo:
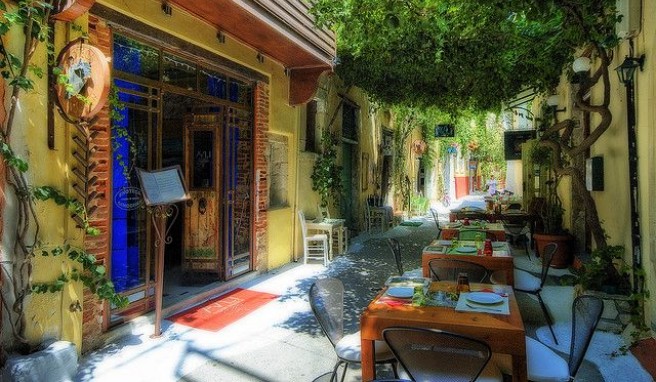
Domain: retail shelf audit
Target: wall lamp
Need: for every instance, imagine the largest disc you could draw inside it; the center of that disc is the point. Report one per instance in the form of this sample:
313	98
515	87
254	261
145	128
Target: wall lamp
260	57
581	67
626	70
553	102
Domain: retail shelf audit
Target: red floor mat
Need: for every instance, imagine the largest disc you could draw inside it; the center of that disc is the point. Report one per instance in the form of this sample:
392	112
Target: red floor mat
222	311
645	352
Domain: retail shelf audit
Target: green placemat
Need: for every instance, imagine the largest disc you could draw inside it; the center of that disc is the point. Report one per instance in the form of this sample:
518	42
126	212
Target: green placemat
412	224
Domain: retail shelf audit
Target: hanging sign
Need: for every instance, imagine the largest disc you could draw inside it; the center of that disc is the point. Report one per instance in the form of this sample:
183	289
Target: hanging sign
86	86
69	10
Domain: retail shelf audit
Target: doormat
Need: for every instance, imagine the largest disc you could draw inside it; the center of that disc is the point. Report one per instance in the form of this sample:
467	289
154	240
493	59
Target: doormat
412	224
222	311
645	352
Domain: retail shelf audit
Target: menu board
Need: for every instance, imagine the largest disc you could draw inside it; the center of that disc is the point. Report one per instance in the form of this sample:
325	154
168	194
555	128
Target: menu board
163	186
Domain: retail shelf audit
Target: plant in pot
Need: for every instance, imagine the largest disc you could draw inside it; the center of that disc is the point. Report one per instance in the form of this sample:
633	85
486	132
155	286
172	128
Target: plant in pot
551	214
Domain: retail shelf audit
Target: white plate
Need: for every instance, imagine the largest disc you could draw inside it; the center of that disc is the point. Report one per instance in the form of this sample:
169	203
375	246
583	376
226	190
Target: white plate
498	244
401	292
466	249
484	298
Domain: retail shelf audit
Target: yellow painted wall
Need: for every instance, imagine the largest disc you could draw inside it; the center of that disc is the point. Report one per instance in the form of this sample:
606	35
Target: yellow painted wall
47	315
645	81
614	202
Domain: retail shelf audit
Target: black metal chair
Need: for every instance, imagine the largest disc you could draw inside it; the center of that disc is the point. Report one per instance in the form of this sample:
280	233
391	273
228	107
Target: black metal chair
518	234
544	364
437	222
448	270
327	302
396	250
528	283
435	355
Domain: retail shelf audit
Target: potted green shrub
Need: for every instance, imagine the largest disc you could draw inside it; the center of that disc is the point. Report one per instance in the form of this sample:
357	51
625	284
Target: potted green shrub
551	215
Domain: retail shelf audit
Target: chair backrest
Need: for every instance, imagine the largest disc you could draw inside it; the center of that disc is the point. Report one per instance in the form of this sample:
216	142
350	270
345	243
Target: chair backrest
396	250
436	355
301	217
448	270
547	255
327	303
586	312
437	221
473	234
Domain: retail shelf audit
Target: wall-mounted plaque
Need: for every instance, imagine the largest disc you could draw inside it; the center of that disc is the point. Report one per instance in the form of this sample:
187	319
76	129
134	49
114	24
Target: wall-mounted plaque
86	88
163	186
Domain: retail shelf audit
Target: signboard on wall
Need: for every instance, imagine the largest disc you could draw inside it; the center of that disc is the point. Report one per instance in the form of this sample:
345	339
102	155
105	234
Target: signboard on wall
512	143
445	131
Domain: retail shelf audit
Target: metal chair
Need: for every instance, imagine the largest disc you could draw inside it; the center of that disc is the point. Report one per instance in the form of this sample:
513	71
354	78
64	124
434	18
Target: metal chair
448	270
544	364
396	250
315	247
528	283
473	234
435	355
327	302
518	234
437	222
374	218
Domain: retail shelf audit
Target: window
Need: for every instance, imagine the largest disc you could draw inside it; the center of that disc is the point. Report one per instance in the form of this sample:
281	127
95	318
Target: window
278	169
311	127
350	121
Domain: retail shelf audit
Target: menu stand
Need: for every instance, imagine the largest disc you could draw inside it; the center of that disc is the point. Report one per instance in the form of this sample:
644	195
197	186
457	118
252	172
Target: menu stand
161	189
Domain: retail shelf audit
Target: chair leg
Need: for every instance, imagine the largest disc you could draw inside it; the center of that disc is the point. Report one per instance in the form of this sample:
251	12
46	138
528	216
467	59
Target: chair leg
333	376
547	317
344	372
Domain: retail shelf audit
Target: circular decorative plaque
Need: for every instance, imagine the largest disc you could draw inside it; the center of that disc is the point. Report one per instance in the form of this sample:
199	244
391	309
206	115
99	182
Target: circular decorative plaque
87	74
69	10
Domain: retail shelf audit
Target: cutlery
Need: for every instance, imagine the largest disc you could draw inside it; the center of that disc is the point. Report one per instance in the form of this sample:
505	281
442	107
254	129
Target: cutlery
483	308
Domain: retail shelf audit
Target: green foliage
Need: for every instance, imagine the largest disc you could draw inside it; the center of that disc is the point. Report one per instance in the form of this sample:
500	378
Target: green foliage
326	174
594	272
74	206
93	275
120	133
460	54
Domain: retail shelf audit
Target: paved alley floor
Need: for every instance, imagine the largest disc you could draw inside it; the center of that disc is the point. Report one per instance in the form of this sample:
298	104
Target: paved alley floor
281	341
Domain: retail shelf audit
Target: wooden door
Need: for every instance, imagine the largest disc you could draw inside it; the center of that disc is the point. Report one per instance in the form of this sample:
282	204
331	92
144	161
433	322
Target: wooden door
202	243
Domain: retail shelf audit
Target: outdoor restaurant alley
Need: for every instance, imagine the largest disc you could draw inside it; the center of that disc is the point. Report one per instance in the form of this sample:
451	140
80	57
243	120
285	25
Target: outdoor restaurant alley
281	340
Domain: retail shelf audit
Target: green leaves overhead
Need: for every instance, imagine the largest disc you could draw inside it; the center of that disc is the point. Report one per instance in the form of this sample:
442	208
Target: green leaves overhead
462	53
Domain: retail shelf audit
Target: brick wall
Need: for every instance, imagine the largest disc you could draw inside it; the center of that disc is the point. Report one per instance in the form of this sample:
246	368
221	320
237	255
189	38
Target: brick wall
261	176
94	310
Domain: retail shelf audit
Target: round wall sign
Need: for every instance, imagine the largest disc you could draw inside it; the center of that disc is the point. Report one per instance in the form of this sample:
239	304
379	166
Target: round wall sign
69	10
86	88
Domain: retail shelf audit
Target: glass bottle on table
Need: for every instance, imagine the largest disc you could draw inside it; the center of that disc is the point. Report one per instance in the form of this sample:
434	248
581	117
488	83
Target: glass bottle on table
487	248
463	283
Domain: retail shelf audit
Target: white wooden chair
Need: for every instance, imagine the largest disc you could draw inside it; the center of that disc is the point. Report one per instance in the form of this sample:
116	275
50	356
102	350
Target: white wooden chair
315	247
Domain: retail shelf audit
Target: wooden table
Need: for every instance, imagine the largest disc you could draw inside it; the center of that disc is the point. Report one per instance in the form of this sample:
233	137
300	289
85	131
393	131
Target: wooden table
504	333
334	228
449	231
501	260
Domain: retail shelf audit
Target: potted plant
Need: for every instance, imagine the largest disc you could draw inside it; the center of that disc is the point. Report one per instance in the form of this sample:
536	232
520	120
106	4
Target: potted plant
551	215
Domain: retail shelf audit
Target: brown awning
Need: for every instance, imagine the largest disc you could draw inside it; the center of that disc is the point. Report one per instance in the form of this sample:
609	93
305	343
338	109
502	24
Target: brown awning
280	29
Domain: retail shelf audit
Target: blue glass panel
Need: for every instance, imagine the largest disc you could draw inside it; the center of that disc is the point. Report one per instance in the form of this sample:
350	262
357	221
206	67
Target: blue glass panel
133	57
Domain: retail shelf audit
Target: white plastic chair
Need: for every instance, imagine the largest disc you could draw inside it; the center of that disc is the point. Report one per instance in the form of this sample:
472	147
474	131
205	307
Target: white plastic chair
315	247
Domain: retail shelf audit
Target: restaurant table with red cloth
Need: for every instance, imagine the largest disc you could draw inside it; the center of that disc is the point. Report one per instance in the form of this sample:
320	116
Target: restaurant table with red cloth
501	259
504	333
451	230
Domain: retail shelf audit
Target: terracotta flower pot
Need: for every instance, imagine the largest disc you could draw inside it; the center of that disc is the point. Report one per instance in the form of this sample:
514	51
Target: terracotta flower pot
563	256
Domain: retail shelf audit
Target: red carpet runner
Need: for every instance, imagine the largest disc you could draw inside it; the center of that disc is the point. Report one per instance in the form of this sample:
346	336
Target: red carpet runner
222	311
